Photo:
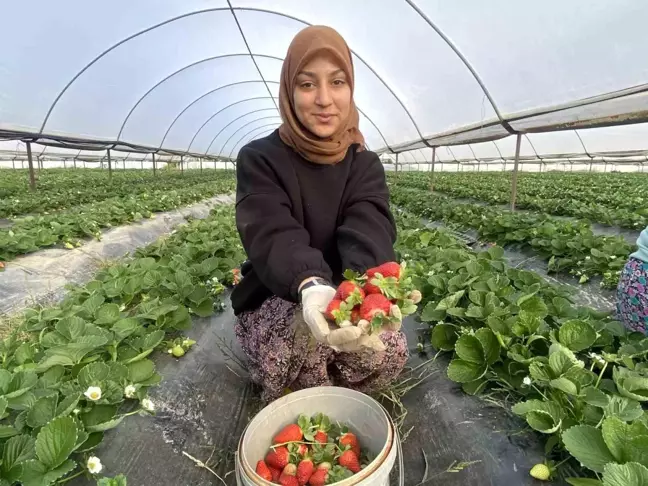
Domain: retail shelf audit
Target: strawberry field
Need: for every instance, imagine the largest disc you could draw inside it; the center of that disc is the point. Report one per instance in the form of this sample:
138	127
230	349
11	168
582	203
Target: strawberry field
500	341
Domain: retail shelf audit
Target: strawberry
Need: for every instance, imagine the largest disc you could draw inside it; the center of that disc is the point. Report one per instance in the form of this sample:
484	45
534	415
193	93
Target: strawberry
350	292
349	439
333	306
389	269
321	437
288	476
375	305
290	433
541	472
263	470
278	457
305	470
338	311
276	474
349	460
302	450
355	315
319	477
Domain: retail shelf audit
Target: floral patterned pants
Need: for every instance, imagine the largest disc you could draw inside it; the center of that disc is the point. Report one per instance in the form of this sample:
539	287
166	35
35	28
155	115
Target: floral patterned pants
632	297
282	354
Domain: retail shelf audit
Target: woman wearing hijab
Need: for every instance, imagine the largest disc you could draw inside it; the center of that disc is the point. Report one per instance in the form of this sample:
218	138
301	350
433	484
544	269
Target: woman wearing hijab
311	203
632	293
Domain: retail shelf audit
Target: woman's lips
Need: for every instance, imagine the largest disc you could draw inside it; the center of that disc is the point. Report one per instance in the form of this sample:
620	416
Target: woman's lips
323	117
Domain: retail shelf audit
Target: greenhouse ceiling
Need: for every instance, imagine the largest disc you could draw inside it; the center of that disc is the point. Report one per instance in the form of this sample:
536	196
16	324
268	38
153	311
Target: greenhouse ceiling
200	77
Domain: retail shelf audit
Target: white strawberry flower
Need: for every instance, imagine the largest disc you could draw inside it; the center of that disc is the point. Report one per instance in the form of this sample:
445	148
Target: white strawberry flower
94	465
527	381
129	391
76	411
148	405
93	393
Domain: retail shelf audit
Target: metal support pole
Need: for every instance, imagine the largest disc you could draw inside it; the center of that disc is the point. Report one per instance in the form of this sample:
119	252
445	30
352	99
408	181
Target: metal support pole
13	163
433	163
109	165
124	161
64	164
182	164
32	177
74	162
479	166
142	164
515	171
591	162
201	165
154	168
396	164
22	164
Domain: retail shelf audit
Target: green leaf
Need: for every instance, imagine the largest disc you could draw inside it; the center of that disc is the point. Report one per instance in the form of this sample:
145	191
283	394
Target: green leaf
55	442
624	408
92	304
430	314
5	380
595	397
489	343
102	427
456	312
16	450
586	444
616	435
141	370
584	482
68	404
565	385
444	337
153	340
205	308
630	384
116	481
542	422
7	431
496	252
42	411
469	348
450	301
21	383
630	474
35	473
98	415
462	371
107	314
71	327
93	374
474	387
91	442
576	335
536	306
498	325
125	327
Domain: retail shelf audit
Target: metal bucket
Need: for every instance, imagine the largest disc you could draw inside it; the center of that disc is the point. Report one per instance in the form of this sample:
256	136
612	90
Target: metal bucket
364	415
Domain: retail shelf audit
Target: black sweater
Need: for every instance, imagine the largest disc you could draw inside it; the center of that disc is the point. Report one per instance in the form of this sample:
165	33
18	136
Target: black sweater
298	219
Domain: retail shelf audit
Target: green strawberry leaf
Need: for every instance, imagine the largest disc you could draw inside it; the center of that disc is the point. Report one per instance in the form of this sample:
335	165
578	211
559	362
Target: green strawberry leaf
444	337
577	335
586	444
630	474
462	371
55	442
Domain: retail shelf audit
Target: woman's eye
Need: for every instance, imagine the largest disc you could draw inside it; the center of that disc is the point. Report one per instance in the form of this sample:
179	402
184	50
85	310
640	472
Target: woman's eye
339	82
307	85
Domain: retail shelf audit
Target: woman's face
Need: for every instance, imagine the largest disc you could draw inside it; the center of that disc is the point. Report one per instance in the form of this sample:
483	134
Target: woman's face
322	96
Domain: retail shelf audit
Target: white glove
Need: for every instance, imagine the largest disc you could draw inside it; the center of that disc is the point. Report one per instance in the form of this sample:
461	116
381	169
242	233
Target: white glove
315	300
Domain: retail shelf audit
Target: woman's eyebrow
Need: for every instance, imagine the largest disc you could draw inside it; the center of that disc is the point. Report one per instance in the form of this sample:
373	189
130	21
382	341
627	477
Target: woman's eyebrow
313	75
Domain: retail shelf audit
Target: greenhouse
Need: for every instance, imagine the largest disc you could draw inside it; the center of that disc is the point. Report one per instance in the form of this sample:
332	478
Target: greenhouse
512	140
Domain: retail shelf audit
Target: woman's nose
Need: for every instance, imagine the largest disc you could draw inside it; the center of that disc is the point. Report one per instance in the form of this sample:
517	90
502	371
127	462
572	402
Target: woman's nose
323	96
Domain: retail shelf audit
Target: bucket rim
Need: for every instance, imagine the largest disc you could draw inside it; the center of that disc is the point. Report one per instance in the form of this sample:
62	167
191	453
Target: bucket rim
364	474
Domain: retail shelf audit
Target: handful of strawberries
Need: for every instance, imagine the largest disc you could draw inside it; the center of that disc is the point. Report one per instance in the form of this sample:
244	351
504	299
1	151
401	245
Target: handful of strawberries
313	451
381	296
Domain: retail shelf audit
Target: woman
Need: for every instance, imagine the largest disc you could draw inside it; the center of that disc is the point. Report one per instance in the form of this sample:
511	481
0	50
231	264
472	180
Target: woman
311	203
632	296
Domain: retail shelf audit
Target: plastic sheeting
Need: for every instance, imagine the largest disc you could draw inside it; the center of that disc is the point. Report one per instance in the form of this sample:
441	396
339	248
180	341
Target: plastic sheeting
198	76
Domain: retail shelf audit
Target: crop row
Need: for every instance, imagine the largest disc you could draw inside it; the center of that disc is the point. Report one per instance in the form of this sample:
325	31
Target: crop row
574	375
567	246
60	189
86	361
31	233
611	199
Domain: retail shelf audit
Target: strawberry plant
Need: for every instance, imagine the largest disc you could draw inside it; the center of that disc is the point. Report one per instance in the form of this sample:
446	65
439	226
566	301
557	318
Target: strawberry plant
567	246
85	365
573	374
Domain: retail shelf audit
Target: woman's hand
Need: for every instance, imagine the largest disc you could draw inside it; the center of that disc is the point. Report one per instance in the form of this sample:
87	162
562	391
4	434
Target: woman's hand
315	300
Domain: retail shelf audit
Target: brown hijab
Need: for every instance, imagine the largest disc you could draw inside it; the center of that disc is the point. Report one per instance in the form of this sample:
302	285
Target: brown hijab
306	44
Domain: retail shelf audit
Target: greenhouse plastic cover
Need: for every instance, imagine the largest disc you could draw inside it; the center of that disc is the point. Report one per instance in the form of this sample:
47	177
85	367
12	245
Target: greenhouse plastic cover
201	76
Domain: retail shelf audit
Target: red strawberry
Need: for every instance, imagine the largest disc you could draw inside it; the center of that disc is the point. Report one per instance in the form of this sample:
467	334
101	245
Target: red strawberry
288	476
349	289
389	269
355	315
374	305
370	288
290	433
349	439
333	306
278	457
321	437
263	470
276	474
302	450
319	477
305	470
350	460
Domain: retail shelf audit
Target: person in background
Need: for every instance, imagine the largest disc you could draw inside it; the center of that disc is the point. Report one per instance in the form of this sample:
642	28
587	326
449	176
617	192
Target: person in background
312	201
632	296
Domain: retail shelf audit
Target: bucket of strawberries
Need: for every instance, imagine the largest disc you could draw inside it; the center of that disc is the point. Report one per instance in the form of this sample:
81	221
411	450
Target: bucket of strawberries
293	443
